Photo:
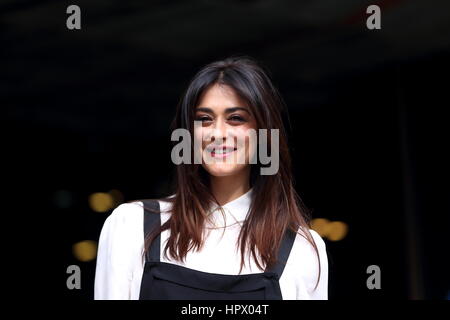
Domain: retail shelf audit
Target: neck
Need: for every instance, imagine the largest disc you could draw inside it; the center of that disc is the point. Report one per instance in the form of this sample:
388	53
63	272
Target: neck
228	188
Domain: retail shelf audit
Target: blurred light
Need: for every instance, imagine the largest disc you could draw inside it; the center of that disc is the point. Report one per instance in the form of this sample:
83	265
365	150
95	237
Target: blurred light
63	199
117	197
101	201
332	230
321	226
337	231
85	250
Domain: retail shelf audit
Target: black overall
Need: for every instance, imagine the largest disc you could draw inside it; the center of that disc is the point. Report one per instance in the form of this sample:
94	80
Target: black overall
167	281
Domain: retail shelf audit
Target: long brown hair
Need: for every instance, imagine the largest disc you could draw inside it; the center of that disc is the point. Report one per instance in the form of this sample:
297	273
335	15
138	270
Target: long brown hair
275	205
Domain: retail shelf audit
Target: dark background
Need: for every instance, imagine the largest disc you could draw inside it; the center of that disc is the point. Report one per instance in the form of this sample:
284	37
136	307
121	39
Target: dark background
89	111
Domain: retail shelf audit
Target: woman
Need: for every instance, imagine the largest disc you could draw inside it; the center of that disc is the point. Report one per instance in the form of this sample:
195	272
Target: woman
184	246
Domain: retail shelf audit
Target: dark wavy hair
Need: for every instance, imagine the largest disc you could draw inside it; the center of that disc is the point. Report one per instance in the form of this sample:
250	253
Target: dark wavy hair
275	205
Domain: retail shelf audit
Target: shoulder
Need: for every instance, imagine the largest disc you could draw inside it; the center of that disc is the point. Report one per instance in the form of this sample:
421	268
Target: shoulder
135	209
301	238
129	215
123	220
318	240
305	265
126	212
303	250
121	238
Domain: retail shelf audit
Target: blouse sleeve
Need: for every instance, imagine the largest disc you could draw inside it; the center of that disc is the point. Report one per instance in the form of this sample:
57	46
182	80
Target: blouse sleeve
321	292
118	255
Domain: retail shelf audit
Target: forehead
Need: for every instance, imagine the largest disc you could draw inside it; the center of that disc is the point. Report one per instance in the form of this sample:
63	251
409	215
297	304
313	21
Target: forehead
220	97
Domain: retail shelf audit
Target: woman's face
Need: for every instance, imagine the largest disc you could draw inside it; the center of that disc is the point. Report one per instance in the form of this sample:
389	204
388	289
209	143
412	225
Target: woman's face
224	132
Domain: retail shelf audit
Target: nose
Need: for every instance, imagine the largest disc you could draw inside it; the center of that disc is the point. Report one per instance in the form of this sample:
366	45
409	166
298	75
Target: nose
219	132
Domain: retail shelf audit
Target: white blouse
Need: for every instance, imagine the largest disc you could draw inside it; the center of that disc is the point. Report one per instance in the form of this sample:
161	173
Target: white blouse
120	265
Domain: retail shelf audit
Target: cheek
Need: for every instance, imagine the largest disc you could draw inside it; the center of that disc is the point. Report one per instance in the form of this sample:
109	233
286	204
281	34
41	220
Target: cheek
198	133
200	137
247	142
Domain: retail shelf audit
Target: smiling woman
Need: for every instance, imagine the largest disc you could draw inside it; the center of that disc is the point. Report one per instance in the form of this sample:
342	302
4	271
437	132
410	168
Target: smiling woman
269	252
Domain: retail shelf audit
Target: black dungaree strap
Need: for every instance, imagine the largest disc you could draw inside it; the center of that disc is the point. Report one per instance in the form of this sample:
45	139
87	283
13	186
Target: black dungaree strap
152	220
283	252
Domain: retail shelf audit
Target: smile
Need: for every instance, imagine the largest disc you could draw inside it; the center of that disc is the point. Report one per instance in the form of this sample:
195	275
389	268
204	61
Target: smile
221	152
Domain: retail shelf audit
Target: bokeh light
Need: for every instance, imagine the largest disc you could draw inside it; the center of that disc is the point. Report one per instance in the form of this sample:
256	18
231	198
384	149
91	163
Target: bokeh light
337	230
331	230
85	250
321	226
101	201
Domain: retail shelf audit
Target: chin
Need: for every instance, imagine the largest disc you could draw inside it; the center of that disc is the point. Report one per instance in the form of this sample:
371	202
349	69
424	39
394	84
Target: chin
223	170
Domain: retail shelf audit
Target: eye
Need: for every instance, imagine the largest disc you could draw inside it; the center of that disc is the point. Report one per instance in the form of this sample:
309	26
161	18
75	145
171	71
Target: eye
203	118
237	118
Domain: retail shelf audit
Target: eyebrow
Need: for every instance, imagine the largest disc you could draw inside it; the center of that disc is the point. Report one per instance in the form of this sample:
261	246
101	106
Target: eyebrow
227	110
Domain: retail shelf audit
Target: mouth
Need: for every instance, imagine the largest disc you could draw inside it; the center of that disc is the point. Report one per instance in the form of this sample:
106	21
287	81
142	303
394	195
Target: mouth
221	152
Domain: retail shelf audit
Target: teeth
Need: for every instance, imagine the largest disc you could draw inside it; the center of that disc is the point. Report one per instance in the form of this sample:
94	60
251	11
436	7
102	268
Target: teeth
221	151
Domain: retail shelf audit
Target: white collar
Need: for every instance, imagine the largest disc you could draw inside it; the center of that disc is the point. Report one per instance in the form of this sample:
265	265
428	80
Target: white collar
238	207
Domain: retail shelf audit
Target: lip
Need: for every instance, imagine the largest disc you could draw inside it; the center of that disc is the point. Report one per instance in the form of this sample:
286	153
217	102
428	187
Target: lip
221	155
